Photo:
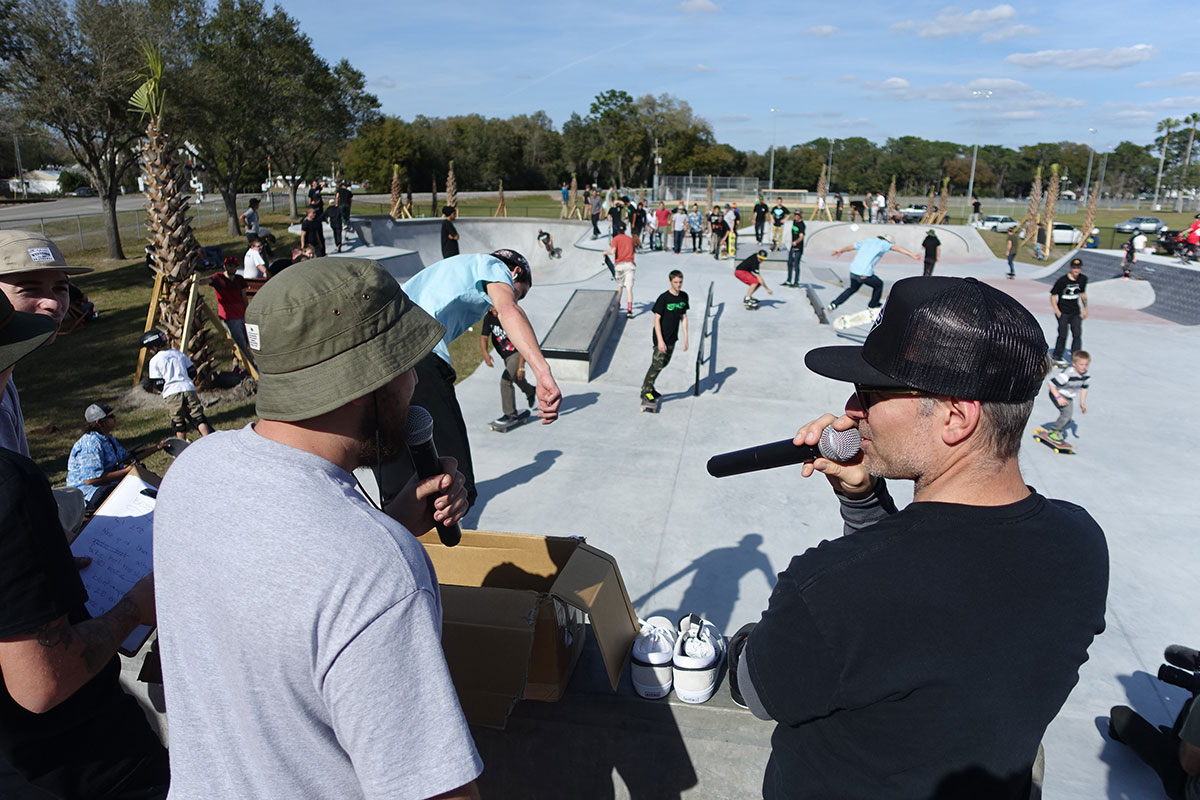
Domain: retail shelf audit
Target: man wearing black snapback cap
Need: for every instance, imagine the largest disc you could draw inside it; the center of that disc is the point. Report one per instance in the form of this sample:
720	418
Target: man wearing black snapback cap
924	652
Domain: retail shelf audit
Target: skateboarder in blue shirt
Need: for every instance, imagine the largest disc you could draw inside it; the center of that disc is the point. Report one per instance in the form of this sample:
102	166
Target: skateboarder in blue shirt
862	269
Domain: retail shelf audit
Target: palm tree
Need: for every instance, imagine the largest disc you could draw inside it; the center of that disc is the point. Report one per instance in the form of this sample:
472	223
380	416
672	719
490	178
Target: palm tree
1164	128
1191	119
177	254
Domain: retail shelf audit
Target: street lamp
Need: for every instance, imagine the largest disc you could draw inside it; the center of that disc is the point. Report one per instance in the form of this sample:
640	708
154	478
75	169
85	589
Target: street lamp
1087	182
980	94
771	180
829	172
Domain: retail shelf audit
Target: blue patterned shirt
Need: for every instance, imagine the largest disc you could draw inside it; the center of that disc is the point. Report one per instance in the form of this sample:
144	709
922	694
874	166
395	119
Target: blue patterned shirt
92	456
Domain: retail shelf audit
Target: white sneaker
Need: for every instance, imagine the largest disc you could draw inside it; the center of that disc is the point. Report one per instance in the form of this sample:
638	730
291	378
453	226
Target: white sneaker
650	664
699	652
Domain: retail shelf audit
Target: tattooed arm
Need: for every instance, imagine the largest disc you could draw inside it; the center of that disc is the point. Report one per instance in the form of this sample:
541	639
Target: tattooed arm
49	664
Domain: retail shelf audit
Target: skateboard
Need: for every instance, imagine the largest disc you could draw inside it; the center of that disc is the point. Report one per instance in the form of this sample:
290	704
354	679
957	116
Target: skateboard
504	426
1043	436
612	268
854	320
651	406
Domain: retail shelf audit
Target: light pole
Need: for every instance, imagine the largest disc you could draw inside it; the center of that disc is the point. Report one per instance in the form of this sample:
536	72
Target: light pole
771	180
981	94
1087	181
829	172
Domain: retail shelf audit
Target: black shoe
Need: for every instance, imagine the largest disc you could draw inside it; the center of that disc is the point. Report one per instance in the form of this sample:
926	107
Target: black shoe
507	418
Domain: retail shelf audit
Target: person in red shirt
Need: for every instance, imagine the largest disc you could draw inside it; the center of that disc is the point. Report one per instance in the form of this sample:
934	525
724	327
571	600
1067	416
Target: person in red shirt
662	215
231	305
622	252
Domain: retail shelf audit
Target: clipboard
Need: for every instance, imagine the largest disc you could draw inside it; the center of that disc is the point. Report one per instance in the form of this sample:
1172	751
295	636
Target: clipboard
119	540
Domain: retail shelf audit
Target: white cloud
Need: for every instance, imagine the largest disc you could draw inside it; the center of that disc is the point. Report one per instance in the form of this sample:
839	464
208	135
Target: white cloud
385	81
1164	106
889	85
951	21
1087	58
707	6
1185	79
847	78
861	122
1010	32
901	27
702	68
822	30
1021	115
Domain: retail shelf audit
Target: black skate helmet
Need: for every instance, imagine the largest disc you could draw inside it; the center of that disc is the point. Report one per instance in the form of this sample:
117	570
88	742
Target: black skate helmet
516	261
153	338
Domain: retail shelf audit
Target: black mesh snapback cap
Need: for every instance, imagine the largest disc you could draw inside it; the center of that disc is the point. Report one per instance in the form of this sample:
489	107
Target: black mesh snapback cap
947	336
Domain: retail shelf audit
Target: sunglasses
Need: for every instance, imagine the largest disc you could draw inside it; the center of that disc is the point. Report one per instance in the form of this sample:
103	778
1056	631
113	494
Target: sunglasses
870	395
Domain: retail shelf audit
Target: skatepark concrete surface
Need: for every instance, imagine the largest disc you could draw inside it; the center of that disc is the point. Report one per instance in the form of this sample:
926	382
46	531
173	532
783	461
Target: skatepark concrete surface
634	484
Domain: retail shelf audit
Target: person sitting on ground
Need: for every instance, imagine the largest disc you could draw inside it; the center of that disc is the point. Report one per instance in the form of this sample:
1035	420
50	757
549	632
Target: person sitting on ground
254	266
1173	753
171	372
747	273
514	366
98	462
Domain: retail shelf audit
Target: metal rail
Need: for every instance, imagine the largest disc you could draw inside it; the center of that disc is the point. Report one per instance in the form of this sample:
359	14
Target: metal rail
704	334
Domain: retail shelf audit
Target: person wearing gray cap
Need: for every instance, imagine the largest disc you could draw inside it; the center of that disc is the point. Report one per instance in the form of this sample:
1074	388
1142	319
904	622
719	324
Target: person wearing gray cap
34	278
98	461
924	652
301	635
66	727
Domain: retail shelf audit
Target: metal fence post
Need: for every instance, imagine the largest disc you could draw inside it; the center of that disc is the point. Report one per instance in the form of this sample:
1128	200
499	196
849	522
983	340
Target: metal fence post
42	222
79	227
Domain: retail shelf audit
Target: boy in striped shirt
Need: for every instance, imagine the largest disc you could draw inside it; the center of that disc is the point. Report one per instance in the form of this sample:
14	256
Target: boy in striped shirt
1064	387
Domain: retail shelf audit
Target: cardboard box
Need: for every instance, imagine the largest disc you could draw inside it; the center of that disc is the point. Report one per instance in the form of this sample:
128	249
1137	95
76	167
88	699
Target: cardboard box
513	616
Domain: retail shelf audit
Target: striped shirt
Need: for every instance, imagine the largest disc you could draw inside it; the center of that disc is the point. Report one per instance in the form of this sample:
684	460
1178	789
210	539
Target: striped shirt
1070	382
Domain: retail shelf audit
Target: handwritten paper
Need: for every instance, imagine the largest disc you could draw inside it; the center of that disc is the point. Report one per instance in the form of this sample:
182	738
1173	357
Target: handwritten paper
118	539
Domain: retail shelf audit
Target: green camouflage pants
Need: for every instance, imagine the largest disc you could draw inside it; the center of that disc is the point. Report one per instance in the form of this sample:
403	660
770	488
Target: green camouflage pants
657	364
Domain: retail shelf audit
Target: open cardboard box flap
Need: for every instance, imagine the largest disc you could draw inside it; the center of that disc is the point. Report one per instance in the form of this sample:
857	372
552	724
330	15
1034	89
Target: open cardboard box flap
591	582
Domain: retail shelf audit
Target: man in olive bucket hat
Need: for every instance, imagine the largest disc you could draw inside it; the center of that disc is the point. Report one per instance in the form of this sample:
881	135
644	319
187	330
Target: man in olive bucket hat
310	616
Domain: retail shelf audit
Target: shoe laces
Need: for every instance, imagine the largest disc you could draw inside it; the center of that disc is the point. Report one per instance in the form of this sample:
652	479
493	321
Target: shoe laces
697	642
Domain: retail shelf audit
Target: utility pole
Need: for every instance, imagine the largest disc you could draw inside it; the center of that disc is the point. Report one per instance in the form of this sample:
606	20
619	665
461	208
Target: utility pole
829	172
771	180
980	94
1087	181
20	169
657	160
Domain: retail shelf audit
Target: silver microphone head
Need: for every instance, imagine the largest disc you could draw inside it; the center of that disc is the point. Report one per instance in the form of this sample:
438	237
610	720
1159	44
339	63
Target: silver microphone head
420	426
839	445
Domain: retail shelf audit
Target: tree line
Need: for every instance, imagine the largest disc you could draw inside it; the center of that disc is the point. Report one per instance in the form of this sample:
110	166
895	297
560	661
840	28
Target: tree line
246	90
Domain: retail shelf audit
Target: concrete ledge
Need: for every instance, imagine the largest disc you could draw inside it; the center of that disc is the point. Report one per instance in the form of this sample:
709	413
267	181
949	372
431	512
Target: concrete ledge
575	341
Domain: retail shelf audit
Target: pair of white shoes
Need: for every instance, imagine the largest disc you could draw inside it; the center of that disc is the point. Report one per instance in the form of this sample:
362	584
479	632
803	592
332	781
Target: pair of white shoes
687	657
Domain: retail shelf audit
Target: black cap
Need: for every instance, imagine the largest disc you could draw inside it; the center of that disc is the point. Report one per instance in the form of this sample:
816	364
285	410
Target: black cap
946	336
1075	262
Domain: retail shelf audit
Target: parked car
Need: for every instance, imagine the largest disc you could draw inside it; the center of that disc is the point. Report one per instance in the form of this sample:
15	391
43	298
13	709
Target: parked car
1144	224
913	214
84	191
1065	234
1000	223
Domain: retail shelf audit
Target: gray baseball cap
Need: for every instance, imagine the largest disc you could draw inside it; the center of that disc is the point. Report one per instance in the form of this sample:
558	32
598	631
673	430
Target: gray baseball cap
22	251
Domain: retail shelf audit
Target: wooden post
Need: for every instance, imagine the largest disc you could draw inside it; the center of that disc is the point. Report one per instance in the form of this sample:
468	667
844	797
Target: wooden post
501	209
189	315
216	321
151	315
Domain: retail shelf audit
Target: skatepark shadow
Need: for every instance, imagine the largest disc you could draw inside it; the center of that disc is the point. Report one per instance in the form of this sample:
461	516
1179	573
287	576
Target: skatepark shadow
574	402
768	303
715	576
1128	776
494	487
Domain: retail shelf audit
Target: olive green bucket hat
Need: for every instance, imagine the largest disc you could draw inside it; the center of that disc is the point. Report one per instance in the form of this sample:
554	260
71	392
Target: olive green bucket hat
330	330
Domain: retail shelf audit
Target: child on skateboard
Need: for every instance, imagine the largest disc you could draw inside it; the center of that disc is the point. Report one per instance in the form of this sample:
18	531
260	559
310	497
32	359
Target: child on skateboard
670	311
514	366
1063	389
747	273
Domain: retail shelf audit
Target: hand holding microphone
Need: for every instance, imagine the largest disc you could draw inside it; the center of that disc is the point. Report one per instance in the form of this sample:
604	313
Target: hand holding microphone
428	465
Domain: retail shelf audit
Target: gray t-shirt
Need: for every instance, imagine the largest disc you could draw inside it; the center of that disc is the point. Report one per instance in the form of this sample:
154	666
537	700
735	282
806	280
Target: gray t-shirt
12	421
251	221
300	634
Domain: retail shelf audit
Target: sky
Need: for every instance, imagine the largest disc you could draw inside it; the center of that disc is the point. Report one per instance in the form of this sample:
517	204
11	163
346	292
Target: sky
1096	73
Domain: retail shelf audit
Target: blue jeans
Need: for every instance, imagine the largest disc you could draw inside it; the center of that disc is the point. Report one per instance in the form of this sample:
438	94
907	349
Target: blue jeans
793	268
856	283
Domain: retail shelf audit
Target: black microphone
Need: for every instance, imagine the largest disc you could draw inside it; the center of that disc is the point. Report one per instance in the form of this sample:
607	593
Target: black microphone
426	463
834	445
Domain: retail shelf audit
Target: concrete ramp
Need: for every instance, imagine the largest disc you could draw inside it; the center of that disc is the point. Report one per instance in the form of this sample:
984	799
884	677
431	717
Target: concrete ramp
961	244
581	255
1174	290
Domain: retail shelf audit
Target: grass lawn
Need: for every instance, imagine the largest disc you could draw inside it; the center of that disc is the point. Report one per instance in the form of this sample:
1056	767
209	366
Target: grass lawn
96	363
525	206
